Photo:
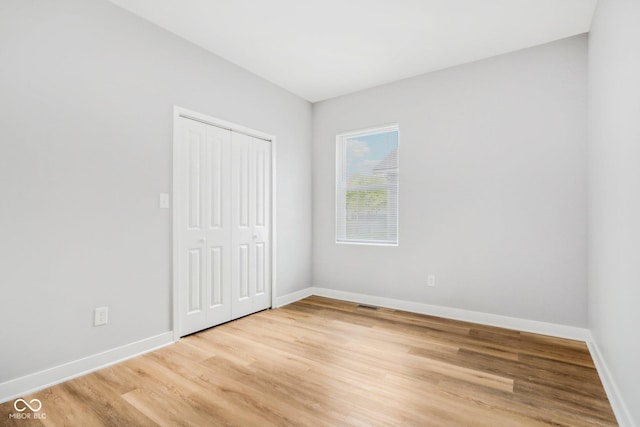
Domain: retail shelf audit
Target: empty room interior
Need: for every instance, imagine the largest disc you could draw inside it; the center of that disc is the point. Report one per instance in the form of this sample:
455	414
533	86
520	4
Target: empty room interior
324	213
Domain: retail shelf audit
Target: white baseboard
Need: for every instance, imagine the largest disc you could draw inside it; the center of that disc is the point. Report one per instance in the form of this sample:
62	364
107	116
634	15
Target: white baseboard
534	326
40	380
613	393
293	297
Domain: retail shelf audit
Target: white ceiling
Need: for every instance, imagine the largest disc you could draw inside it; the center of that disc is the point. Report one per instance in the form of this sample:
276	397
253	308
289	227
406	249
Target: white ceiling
319	49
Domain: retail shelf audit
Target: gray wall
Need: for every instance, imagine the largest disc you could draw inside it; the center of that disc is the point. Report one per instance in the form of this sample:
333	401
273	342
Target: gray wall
492	187
614	192
86	98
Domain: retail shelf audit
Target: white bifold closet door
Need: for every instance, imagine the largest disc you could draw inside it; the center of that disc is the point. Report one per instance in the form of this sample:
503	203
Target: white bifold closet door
224	209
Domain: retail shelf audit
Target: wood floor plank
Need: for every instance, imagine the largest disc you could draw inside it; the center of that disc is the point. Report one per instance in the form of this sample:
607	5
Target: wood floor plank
325	362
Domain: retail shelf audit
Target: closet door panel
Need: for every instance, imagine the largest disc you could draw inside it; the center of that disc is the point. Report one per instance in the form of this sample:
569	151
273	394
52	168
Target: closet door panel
251	207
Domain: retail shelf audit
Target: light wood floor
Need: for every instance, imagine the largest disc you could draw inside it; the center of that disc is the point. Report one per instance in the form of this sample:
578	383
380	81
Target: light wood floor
325	362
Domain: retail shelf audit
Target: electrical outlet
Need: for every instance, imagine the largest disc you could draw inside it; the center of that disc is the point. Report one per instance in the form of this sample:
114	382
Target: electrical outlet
100	316
431	281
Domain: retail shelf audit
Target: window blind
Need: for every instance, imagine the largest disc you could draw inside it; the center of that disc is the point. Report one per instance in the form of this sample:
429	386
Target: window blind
367	186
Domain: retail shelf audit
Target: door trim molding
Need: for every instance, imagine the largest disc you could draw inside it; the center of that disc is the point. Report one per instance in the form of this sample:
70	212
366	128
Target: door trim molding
180	112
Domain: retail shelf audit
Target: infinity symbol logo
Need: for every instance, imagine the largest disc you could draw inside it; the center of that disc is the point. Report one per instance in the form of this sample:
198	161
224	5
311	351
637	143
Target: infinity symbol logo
37	405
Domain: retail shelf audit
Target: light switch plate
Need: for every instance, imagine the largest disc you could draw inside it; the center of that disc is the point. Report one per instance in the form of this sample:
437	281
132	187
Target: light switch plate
163	201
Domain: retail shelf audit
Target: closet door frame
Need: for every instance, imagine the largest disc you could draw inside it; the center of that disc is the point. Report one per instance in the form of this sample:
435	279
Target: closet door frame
179	112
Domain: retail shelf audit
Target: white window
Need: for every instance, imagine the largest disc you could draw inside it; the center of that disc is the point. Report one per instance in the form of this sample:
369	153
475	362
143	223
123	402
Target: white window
367	186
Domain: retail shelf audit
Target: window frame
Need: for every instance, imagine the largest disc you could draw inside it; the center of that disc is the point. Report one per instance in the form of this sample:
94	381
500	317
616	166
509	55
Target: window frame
340	160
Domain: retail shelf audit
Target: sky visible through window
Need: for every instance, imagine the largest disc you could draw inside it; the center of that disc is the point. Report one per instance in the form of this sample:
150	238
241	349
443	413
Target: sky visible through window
364	153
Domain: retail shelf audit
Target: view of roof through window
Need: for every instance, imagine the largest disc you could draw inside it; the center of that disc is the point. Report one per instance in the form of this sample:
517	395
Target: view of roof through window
371	154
